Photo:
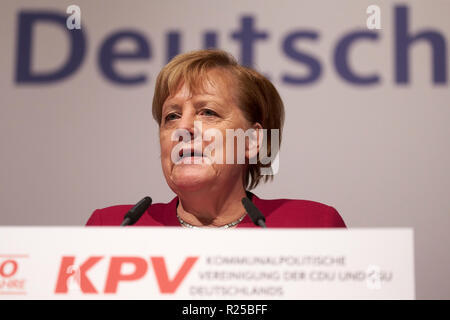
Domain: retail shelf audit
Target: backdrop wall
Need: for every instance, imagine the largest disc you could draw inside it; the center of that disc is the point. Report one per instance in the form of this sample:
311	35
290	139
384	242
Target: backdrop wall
367	128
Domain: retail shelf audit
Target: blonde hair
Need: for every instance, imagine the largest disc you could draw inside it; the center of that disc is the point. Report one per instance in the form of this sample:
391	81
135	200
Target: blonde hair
256	96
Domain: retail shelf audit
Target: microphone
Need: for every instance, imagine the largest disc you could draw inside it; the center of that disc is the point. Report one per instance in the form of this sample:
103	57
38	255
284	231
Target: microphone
254	213
132	216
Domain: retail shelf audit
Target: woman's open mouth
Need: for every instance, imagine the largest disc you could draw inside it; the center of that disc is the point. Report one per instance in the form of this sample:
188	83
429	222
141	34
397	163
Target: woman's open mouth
190	155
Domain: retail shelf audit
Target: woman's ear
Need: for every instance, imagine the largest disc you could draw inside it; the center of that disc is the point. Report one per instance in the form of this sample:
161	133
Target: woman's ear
253	143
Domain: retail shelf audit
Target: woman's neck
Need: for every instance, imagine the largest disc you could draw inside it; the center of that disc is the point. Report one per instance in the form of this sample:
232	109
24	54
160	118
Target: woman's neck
213	207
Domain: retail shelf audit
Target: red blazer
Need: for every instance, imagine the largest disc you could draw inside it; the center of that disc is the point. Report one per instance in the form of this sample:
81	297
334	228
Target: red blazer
279	213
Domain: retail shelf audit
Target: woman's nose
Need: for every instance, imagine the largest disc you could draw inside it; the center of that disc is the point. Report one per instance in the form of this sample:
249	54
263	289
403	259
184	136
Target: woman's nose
187	123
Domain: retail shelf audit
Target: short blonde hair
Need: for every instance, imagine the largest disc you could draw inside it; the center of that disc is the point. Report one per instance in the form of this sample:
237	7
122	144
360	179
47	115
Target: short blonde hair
256	96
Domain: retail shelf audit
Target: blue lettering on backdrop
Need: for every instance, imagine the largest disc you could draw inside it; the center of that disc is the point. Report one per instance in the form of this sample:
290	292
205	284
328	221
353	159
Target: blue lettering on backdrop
174	38
247	35
108	55
24	72
313	63
173	45
210	39
403	40
341	58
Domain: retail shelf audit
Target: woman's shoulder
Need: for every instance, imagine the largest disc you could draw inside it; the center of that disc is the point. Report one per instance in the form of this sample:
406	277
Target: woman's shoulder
282	213
299	213
114	215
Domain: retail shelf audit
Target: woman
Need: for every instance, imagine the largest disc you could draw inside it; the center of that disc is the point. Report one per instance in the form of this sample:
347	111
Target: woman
200	97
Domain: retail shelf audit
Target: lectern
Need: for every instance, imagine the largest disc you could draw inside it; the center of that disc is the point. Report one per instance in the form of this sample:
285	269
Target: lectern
189	264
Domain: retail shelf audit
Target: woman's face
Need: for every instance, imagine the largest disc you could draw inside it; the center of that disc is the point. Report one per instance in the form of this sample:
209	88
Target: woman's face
212	108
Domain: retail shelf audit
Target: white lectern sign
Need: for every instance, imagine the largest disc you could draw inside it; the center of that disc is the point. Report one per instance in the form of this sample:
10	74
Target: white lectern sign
177	263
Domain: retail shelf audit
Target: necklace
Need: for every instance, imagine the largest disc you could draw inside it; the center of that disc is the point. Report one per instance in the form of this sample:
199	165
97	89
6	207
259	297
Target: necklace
229	225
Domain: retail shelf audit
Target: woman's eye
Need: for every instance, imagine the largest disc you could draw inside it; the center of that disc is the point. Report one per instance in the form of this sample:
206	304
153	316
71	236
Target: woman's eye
171	116
208	112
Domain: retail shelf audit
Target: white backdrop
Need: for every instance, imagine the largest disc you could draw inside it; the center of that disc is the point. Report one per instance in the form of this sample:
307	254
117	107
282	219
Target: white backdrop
378	153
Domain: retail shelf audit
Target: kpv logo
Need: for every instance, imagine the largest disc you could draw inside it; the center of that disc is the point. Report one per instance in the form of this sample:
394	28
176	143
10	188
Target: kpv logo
73	276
